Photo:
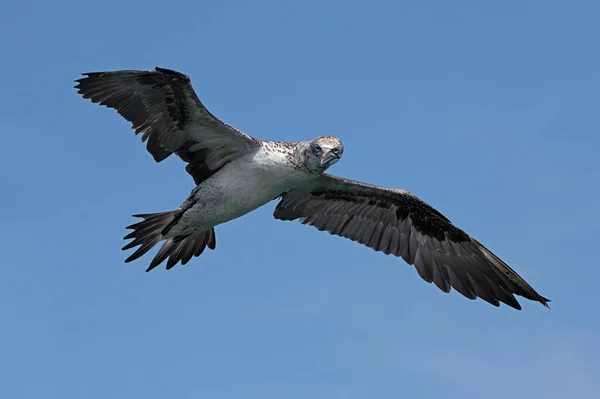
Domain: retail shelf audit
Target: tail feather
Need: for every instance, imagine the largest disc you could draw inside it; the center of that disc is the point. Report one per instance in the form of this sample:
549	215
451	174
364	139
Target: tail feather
186	252
151	231
212	240
197	248
146	246
175	251
162	254
148	232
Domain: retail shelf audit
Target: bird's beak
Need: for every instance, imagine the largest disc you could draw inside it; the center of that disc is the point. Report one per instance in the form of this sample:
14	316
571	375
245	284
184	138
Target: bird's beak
328	157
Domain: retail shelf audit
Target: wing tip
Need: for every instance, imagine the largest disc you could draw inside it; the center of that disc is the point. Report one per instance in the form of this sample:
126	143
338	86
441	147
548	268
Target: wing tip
544	301
539	298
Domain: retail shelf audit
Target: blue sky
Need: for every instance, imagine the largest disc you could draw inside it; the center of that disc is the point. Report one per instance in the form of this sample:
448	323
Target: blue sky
487	110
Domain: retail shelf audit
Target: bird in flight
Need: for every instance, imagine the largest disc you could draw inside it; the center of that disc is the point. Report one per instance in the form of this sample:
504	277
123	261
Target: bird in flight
235	174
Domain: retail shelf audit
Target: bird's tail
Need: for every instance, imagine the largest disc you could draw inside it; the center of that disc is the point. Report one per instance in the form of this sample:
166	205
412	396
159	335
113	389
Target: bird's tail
152	230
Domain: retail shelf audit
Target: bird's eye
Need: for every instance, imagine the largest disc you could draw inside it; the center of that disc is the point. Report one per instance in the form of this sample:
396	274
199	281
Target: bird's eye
336	151
318	150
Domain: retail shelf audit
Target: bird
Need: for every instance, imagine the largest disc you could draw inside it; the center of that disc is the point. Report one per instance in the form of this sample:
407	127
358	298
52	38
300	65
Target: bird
235	174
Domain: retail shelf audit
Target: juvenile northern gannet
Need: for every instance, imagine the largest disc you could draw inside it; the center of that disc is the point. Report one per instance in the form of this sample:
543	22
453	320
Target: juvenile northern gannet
236	174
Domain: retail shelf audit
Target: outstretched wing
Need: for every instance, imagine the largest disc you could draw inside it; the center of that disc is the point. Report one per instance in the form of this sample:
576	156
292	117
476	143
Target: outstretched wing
397	222
162	105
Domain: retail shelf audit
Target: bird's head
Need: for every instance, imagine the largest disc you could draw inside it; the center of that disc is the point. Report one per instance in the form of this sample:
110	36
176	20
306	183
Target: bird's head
323	152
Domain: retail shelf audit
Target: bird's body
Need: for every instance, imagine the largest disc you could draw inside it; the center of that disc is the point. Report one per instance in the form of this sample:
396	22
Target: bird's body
241	187
236	174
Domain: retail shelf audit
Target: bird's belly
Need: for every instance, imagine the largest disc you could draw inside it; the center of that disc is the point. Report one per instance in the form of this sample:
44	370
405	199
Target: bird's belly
235	191
231	202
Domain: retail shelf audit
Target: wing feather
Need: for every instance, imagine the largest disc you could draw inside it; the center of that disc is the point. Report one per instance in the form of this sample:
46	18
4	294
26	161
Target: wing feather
162	105
397	222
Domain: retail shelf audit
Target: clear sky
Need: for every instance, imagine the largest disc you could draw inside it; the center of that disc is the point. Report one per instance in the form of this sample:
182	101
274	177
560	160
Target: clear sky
487	110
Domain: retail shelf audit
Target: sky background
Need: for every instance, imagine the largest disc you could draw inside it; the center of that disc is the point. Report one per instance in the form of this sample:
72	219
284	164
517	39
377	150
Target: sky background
487	110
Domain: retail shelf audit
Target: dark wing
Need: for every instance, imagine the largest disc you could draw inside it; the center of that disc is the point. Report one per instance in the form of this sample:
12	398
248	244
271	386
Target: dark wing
162	105
397	222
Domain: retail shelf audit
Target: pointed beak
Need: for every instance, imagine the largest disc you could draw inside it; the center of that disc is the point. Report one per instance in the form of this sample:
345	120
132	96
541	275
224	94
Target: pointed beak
328	157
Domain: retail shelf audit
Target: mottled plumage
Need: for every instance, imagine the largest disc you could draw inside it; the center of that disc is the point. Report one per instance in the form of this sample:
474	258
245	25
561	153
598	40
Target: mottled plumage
236	174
